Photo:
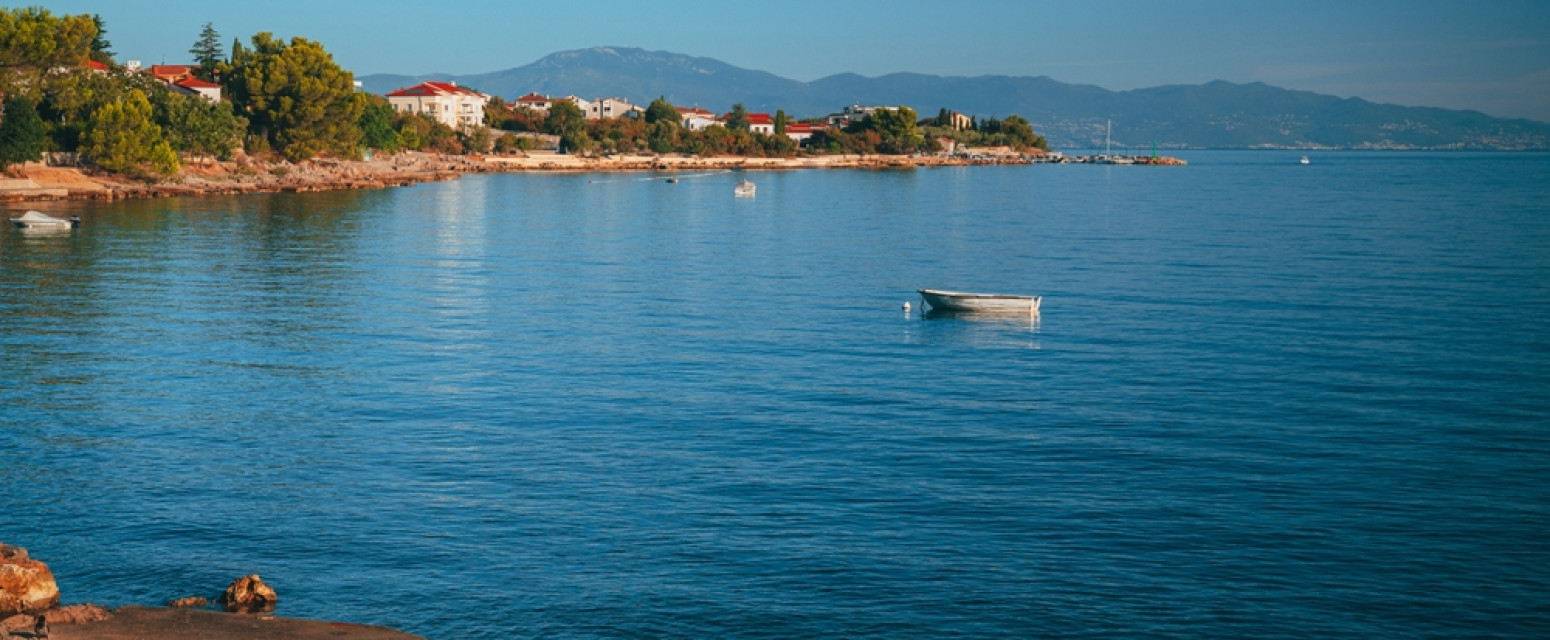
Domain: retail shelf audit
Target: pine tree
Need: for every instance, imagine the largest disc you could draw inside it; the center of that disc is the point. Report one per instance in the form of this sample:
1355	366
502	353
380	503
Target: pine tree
122	138
297	97
99	43
22	135
207	52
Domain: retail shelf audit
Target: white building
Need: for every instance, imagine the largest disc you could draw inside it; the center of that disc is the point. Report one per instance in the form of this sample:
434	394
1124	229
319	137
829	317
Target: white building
697	119
612	108
536	102
195	87
454	106
855	113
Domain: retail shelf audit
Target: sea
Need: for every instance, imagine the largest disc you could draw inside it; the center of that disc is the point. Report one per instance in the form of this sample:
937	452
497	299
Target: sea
1261	400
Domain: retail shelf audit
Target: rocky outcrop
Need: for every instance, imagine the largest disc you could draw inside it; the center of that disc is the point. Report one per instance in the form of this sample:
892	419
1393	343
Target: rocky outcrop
191	601
249	594
26	585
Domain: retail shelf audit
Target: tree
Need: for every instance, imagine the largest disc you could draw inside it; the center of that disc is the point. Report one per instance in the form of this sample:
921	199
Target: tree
896	128
376	125
661	110
737	120
99	42
207	52
296	96
567	121
22	135
780	122
121	137
34	44
202	128
944	118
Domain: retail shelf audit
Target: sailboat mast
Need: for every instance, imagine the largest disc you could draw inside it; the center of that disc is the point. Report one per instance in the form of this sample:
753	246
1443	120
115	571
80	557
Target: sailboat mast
1107	131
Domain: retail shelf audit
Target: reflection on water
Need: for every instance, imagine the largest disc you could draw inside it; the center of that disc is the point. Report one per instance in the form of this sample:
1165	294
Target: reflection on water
977	329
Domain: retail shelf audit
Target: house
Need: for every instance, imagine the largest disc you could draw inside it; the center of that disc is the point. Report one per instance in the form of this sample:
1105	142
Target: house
195	87
697	119
581	103
451	105
761	123
533	101
801	131
854	113
612	108
949	146
96	66
170	73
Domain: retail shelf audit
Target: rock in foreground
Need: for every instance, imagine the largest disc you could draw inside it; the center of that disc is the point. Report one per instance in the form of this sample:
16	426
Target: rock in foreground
26	585
249	594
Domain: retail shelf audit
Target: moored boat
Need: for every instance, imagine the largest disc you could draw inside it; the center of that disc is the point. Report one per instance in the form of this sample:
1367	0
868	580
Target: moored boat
960	301
42	222
744	190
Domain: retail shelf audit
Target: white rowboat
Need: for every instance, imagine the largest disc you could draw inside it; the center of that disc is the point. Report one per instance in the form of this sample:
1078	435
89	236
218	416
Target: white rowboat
959	301
39	221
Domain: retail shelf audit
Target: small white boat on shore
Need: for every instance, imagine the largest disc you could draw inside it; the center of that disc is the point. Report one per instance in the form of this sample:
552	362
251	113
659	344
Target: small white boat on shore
744	190
960	301
39	222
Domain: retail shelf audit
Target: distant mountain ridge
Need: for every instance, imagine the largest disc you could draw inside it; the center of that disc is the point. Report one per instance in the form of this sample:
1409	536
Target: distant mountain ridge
1213	115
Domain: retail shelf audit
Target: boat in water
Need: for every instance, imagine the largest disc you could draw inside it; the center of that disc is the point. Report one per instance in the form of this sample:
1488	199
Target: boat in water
37	221
996	302
1304	160
745	189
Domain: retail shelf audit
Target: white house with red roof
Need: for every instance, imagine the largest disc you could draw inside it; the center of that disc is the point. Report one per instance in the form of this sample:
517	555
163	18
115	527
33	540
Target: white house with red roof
800	131
533	101
192	86
451	105
761	123
697	119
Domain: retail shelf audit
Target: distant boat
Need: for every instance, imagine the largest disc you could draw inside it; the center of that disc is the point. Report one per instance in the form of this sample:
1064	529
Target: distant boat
41	222
672	180
959	301
1304	160
744	190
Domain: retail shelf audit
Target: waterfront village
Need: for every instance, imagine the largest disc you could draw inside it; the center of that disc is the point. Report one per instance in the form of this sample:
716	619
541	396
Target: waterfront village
282	116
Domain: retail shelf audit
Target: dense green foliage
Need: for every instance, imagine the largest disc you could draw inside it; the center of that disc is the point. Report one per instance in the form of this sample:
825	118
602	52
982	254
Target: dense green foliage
377	128
198	126
123	138
22	136
297	97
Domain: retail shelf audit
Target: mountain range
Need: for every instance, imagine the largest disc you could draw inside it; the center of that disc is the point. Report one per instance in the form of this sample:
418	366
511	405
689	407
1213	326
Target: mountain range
1216	114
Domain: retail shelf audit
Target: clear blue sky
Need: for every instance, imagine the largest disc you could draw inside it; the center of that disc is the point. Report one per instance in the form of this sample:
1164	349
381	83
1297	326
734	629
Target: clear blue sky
1491	55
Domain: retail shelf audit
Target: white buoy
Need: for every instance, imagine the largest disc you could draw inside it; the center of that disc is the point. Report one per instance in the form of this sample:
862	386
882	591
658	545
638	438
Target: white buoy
906	306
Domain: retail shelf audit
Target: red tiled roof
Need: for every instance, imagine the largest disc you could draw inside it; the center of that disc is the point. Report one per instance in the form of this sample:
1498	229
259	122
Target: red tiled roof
93	64
760	118
695	111
196	83
533	97
171	69
432	88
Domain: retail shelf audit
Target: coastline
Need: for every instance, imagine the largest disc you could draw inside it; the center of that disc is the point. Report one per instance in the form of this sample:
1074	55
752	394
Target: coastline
45	183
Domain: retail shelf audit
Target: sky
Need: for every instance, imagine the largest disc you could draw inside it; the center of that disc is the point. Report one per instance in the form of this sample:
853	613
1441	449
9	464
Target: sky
1488	55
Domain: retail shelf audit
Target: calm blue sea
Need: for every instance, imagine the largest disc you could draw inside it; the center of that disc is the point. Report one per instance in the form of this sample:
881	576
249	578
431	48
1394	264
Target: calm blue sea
1263	400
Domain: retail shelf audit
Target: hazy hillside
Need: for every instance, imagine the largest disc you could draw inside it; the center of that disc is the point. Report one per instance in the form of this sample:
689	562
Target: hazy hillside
1213	115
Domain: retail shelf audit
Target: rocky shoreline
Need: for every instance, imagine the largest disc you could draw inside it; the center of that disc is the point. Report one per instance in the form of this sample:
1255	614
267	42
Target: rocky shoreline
29	609
36	182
